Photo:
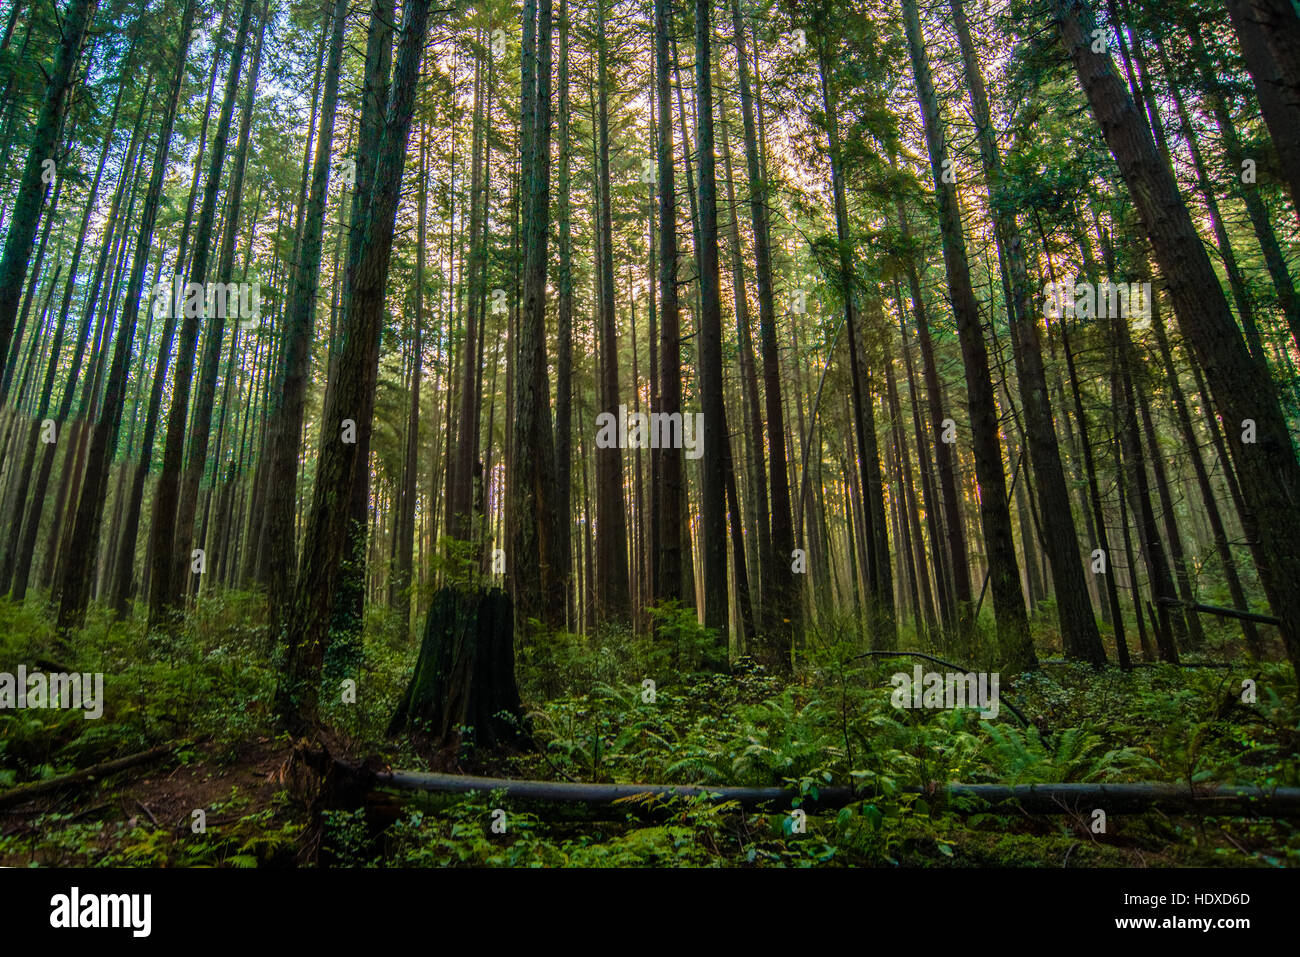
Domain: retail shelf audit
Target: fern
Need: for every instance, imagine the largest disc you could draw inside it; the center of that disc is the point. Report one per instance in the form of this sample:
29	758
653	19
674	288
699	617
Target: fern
1075	755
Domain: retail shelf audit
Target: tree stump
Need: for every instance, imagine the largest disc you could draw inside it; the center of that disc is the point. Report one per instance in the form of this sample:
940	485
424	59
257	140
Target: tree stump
463	686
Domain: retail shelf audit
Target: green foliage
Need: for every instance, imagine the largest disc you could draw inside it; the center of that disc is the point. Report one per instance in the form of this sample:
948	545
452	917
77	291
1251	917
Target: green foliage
1075	754
210	678
831	725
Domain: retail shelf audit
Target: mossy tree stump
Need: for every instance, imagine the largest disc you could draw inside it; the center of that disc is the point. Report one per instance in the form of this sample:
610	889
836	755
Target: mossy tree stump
463	686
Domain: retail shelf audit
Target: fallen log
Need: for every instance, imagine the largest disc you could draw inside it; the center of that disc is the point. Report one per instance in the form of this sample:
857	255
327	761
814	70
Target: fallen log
1217	610
25	792
962	798
1155	664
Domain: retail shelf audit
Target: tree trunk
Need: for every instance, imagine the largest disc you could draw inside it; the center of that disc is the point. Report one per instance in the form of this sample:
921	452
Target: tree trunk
1267	469
200	424
668	557
26	211
165	563
536	575
284	430
612	578
1060	540
1269	34
463	686
326	523
1016	648
76	576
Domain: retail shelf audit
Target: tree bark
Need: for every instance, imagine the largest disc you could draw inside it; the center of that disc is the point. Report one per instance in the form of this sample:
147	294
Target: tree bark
1016	648
76	574
297	695
1267	469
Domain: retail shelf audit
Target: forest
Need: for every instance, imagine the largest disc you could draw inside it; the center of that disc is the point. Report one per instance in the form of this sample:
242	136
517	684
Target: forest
624	433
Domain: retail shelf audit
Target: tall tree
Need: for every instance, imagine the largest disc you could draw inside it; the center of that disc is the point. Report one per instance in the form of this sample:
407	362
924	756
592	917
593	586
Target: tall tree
536	573
297	695
612	575
76	578
782	616
1262	450
41	160
1059	538
1015	644
713	507
671	472
1269	33
287	398
165	564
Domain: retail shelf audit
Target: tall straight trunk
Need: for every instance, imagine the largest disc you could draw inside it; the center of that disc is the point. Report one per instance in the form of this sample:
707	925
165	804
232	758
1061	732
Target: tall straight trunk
564	326
713	514
401	584
1016	648
287	397
882	621
165	564
1059	539
536	567
297	695
668	557
25	216
1267	468
349	605
76	573
1269	34
460	476
782	614
758	506
612	578
200	424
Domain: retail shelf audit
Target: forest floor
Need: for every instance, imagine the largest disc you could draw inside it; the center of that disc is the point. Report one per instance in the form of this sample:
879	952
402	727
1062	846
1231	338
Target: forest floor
208	688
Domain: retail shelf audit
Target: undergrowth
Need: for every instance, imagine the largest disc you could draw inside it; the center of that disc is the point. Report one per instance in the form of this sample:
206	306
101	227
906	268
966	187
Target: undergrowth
617	706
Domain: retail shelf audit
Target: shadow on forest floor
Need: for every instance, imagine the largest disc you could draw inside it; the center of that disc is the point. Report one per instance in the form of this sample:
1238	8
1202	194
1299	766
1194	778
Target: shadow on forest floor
832	723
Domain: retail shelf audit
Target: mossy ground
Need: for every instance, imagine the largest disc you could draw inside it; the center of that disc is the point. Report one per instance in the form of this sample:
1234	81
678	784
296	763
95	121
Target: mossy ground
831	723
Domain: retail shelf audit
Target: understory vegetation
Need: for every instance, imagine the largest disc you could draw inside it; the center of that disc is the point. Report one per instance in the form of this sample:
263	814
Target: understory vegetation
210	689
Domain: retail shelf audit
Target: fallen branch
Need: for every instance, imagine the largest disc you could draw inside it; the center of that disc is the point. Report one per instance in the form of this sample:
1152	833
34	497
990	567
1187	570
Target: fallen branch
1216	610
1030	798
25	792
1152	664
